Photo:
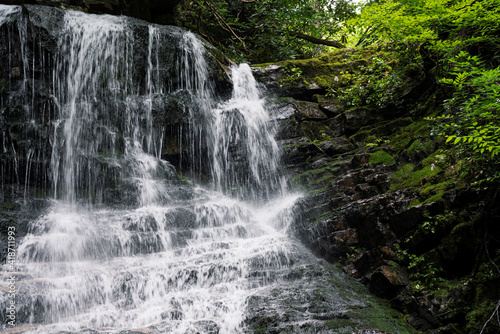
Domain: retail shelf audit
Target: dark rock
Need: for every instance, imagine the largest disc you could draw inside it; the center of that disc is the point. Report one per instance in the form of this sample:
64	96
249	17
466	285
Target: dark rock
358	118
308	110
330	109
457	250
388	281
360	160
206	327
336	146
405	221
277	80
26	137
154	10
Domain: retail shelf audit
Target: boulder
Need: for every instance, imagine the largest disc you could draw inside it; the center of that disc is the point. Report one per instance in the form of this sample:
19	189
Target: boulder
388	280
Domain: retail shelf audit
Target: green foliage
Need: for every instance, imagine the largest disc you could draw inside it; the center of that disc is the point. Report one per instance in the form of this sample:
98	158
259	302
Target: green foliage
424	273
296	72
445	26
374	84
265	30
472	124
456	44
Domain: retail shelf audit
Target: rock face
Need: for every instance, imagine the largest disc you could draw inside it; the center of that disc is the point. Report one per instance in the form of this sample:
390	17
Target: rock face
381	195
29	59
157	11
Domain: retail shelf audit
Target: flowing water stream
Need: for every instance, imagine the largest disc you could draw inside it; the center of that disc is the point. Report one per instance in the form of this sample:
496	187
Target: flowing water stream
201	249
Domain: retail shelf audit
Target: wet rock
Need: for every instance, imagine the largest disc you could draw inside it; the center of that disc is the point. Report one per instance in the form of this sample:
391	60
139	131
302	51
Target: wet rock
302	307
204	327
173	315
26	136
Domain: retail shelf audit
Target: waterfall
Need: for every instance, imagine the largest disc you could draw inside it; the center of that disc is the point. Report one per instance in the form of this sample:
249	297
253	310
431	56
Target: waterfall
245	154
92	61
131	243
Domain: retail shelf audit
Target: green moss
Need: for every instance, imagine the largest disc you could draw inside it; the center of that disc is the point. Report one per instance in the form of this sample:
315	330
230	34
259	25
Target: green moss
405	137
419	146
430	189
343	325
325	70
477	318
314	130
429	160
313	178
415	146
371	133
435	198
403	173
381	157
325	81
405	177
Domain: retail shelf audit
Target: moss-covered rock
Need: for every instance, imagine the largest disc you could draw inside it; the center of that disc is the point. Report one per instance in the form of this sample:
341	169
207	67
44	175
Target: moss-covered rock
385	197
305	78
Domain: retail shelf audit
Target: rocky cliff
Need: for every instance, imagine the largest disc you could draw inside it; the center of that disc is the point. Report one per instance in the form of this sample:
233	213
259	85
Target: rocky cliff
385	198
29	107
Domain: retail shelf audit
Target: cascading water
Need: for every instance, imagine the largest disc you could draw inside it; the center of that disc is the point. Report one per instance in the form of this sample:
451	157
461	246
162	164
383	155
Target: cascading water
168	256
245	154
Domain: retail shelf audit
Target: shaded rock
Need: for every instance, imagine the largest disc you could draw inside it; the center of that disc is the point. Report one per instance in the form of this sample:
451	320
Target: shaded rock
388	281
336	146
276	79
358	118
336	125
153	10
308	110
457	251
331	109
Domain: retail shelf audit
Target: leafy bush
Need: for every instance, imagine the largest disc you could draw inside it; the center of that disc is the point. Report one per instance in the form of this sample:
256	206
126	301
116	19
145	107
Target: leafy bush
472	121
375	84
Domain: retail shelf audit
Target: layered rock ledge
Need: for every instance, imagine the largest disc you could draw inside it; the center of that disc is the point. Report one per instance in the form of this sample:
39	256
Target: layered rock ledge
383	196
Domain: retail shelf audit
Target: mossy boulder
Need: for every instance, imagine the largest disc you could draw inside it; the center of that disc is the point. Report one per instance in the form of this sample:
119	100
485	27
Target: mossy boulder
305	78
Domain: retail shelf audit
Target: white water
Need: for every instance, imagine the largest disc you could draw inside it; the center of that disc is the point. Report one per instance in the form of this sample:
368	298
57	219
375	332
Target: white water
243	122
169	266
180	265
128	244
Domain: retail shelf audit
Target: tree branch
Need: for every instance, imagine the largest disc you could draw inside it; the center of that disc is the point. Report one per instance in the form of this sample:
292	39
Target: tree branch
315	40
223	24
